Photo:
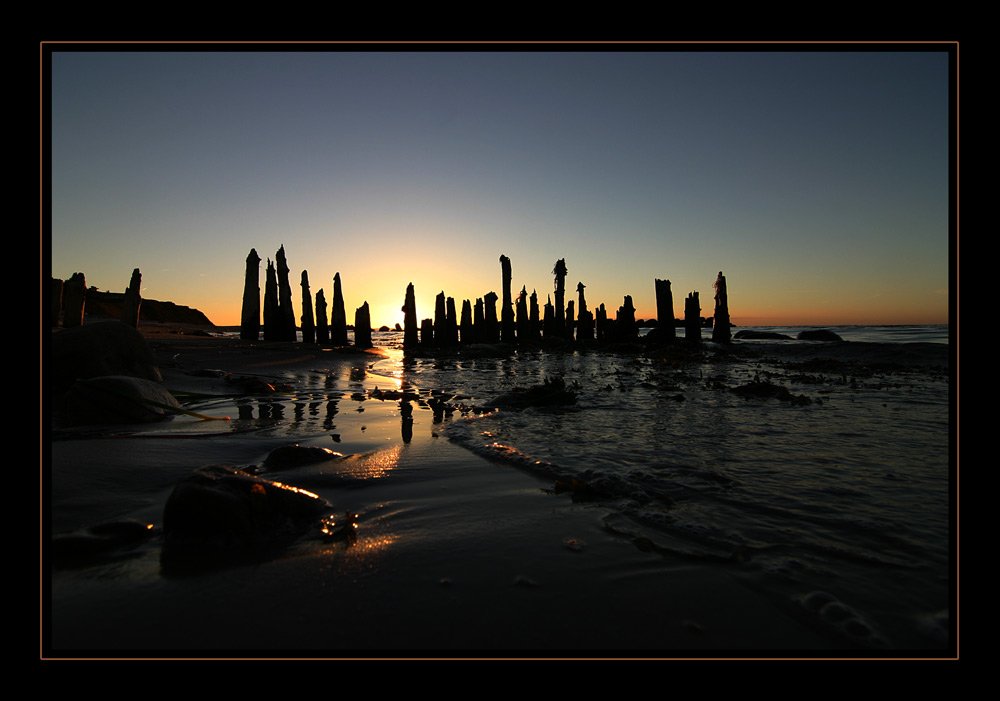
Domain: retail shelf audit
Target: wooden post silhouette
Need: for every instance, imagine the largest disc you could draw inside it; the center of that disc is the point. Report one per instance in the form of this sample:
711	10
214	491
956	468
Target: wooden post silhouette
363	327
549	319
338	316
492	334
664	310
507	308
74	300
410	338
466	323
270	303
286	315
570	320
427	333
308	324
133	300
534	322
479	322
585	325
560	308
322	325
440	320
523	323
601	321
450	323
625	329
250	317
720	330
692	318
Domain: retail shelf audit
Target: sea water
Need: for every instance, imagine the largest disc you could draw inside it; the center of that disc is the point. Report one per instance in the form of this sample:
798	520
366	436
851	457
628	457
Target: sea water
835	504
838	502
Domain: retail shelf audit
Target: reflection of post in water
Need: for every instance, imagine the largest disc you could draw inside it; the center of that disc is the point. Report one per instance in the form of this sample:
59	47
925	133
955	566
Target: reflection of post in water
406	419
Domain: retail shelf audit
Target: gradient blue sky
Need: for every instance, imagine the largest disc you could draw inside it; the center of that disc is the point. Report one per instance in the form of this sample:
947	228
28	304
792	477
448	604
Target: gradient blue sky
817	182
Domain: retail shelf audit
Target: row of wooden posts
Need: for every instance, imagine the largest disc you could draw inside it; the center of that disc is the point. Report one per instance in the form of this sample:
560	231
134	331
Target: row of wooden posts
519	322
69	300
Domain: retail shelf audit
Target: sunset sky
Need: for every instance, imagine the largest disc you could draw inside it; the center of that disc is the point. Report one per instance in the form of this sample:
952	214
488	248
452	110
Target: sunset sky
817	181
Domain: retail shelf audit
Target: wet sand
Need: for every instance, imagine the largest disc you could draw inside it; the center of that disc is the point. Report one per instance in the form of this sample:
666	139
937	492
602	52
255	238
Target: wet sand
455	556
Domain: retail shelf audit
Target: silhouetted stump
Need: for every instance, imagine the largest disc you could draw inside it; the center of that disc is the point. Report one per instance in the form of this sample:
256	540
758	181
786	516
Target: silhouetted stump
601	322
478	322
523	322
322	325
74	300
440	319
492	331
450	323
286	314
270	303
507	308
363	327
410	337
132	301
692	318
308	324
560	272
427	333
720	330
570	320
338	315
466	322
665	310
534	320
250	316
585	324
549	319
625	329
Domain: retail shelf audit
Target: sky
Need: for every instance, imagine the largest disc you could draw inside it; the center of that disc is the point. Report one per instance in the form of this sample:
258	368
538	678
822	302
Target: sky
816	181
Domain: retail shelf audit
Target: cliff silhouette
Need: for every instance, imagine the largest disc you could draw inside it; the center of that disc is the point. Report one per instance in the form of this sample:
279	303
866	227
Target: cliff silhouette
110	304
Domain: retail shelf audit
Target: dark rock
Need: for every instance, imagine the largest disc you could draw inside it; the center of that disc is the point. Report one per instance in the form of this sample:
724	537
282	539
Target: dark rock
98	350
115	399
217	509
291	456
818	335
761	335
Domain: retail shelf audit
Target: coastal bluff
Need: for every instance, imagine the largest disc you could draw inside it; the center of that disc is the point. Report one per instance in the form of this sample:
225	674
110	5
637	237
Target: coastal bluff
111	304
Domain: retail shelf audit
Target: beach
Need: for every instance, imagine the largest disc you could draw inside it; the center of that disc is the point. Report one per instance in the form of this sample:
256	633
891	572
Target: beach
590	529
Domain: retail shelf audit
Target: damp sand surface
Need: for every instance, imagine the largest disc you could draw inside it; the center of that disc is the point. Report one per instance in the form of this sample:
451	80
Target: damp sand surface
660	515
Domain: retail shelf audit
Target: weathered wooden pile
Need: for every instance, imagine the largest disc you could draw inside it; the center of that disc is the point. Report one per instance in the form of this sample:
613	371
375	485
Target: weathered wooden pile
519	322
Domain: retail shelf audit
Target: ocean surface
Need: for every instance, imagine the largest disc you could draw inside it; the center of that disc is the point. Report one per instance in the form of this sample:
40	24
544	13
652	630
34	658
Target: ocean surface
836	502
839	503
